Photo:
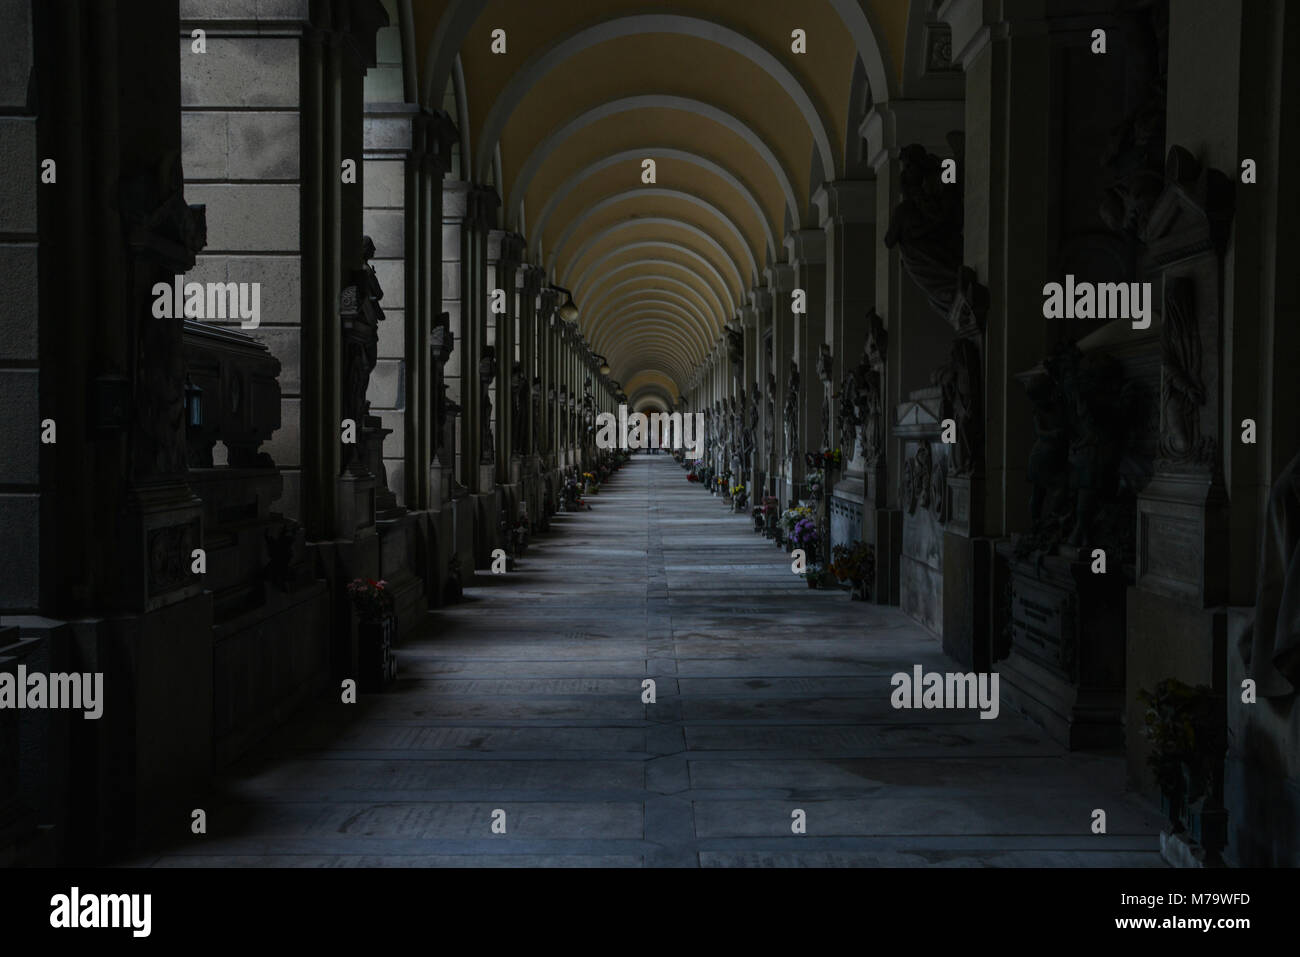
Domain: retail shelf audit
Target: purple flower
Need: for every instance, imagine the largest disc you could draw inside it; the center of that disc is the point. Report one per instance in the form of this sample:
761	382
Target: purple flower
805	532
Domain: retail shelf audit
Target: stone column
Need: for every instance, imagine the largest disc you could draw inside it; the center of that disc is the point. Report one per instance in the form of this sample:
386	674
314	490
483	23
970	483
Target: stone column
21	578
918	342
761	304
98	518
487	361
504	251
467	213
806	250
459	389
752	413
550	381
407	152
780	281
528	430
859	502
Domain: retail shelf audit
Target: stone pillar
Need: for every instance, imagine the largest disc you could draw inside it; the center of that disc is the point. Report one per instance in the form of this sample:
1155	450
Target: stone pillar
22	579
273	220
918	337
528	430
505	251
99	520
806	250
407	152
550	385
487	363
752	413
467	214
859	501
780	282
459	390
764	381
848	217
918	342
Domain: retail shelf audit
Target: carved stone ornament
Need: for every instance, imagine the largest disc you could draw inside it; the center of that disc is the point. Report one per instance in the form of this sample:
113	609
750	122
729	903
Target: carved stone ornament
164	234
1183	447
846	411
487	371
769	426
360	313
917	481
442	341
959	379
926	225
792	414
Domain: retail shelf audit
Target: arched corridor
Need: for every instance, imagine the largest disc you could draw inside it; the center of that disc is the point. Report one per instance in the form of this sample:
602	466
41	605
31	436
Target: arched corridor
770	697
594	432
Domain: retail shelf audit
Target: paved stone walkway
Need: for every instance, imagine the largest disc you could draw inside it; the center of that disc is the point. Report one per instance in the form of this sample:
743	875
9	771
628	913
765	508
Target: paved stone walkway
771	697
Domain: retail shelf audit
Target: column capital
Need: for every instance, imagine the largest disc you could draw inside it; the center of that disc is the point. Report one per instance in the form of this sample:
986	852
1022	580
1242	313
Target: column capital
891	126
437	134
806	246
529	279
977	23
390	128
456	200
780	278
504	247
846	201
482	202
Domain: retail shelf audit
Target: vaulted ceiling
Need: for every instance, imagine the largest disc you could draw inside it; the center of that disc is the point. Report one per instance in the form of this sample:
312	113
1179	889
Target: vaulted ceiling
741	128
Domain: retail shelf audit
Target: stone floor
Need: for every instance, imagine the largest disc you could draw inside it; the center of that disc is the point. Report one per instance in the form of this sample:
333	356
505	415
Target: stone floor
771	697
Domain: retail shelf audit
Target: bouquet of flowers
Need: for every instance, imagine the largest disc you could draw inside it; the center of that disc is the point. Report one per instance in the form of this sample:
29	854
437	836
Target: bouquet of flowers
823	459
854	563
571	492
791	516
805	534
370	598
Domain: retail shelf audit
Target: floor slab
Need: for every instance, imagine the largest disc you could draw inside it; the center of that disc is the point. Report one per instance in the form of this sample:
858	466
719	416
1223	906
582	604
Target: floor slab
769	697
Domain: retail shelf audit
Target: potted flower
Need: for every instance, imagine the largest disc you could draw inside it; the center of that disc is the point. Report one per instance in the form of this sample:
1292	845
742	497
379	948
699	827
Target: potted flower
592	485
1184	726
376	630
789	518
738	498
823	460
816	480
855	563
806	536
